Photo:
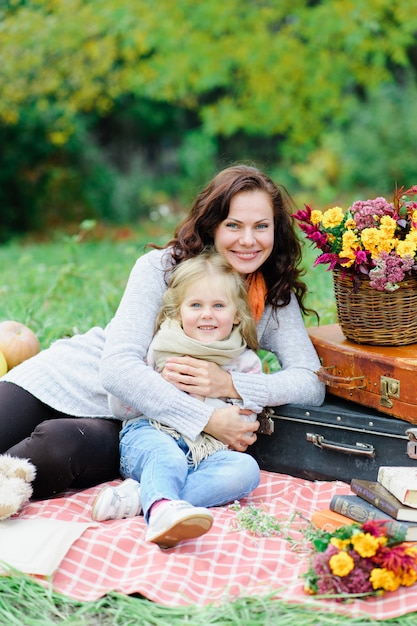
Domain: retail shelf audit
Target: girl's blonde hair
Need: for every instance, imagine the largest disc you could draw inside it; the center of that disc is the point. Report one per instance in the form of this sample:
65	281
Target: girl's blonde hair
209	263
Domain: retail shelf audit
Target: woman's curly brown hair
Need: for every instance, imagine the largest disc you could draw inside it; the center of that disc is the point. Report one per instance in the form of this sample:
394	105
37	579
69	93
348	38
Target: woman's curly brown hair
211	207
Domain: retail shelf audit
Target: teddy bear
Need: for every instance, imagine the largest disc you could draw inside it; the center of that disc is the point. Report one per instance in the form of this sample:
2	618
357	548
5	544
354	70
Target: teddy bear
16	476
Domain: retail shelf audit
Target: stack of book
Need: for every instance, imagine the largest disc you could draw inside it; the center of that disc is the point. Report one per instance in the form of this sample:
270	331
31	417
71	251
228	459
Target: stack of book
392	498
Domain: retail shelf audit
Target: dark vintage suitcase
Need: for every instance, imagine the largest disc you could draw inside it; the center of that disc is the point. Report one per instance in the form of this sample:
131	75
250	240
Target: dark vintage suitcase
381	377
338	441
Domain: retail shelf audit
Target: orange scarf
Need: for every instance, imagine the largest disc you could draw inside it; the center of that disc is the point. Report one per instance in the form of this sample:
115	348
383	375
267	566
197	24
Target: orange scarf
256	287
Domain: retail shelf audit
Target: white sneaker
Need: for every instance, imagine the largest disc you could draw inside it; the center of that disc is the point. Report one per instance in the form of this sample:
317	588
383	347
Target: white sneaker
117	502
176	520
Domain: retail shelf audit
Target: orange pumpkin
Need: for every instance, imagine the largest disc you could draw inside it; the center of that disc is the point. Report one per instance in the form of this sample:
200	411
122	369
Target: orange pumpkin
17	342
3	365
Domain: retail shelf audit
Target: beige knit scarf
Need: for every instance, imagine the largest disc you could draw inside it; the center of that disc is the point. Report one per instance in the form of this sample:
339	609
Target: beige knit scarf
170	340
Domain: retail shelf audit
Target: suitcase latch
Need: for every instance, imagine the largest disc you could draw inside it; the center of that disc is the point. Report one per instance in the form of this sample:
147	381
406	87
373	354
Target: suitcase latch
390	388
412	444
266	422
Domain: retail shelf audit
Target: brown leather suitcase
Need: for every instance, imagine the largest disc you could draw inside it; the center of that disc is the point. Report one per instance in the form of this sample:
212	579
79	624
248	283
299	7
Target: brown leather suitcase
381	377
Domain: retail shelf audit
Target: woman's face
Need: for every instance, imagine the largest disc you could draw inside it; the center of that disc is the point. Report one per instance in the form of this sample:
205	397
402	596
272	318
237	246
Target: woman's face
246	237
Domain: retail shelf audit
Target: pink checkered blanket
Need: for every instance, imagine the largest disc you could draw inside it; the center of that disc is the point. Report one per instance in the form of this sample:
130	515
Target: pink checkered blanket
215	568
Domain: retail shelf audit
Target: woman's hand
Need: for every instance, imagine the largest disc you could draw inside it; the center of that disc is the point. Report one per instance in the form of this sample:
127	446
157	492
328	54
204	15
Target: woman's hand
228	426
199	378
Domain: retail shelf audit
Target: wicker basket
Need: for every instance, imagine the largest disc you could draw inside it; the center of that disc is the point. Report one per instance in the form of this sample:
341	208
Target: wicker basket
378	318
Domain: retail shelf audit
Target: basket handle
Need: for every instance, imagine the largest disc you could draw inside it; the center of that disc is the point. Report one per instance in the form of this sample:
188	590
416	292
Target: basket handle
344	382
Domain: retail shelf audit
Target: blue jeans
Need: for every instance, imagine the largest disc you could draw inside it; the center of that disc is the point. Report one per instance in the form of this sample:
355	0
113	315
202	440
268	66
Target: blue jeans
159	463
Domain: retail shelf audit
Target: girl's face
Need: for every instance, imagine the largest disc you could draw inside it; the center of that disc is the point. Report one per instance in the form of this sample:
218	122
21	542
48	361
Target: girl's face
246	236
207	312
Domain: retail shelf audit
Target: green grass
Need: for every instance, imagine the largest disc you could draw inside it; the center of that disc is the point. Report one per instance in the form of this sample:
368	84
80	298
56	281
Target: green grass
24	602
320	289
70	284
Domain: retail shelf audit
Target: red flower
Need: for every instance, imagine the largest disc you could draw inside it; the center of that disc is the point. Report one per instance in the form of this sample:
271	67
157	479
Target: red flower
377	528
303	216
361	257
395	559
328	257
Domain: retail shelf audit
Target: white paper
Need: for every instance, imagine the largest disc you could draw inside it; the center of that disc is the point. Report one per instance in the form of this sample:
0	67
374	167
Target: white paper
37	546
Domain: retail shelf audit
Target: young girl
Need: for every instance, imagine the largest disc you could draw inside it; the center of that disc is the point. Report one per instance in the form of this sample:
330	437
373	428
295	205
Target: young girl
205	314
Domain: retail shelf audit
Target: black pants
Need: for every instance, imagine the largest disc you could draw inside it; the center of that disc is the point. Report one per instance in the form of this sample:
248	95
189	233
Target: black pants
68	452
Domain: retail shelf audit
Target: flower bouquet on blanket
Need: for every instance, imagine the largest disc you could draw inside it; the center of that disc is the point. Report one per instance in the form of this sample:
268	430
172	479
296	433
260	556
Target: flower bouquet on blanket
360	560
16	476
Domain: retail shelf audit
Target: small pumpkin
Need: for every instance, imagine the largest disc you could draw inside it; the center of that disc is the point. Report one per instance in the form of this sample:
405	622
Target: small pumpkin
17	342
3	365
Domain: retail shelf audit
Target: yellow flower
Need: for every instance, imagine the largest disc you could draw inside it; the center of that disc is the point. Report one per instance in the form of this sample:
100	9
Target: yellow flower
365	544
388	226
412	236
370	239
409	578
349	239
309	590
385	243
332	217
341	564
406	248
379	240
316	217
340	544
384	579
411	551
350	224
350	243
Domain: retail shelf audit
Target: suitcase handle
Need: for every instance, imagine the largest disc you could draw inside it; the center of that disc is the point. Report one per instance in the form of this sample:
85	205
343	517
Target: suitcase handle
333	380
360	449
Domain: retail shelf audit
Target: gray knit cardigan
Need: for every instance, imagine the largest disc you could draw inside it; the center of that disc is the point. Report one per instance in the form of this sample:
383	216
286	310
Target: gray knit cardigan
75	375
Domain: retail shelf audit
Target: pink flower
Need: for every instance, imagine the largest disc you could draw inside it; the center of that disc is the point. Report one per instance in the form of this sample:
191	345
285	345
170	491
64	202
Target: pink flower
303	216
361	257
357	581
320	239
389	270
328	257
366	213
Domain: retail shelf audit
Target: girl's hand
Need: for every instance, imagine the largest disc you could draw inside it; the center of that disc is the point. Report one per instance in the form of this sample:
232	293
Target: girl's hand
227	425
200	378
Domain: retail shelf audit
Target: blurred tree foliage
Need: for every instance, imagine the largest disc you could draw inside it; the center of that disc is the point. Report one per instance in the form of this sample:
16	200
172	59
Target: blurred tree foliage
110	107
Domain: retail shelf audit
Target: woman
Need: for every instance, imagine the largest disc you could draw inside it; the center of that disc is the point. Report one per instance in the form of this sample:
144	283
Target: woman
245	216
